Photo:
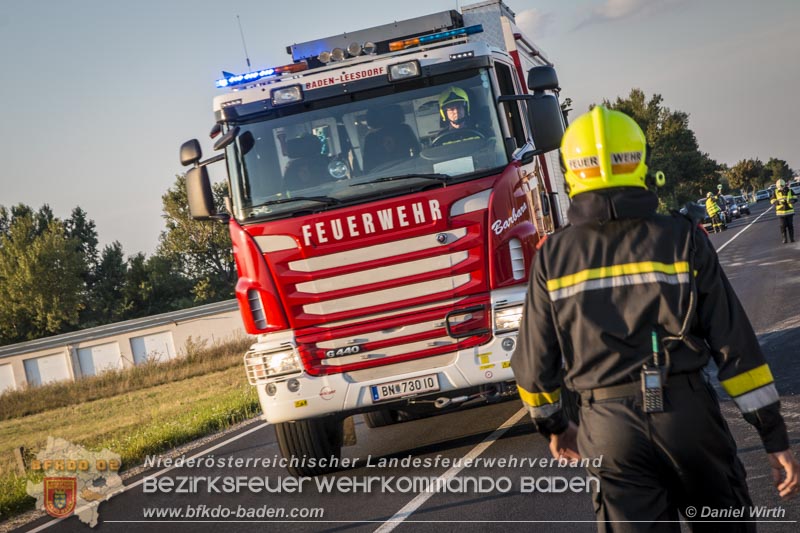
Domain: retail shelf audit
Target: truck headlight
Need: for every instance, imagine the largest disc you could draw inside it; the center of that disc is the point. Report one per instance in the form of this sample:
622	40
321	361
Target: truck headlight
264	366
508	318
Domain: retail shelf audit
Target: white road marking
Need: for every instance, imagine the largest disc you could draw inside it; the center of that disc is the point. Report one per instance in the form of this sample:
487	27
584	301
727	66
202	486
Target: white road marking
421	498
126	488
744	229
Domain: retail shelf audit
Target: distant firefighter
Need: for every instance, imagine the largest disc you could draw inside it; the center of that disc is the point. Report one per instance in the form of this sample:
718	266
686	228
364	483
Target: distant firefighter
784	201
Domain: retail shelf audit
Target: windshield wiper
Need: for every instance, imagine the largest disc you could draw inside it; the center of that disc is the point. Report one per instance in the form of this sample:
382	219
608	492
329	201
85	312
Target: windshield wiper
438	177
327	200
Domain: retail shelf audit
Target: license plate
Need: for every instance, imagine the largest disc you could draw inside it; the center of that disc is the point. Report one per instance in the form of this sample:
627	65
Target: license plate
404	387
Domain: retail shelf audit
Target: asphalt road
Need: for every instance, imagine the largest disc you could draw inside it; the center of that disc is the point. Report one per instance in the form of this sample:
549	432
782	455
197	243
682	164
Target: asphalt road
766	277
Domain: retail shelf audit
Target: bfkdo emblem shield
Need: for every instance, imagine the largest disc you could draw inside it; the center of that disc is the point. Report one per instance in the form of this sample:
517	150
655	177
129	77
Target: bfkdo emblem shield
60	495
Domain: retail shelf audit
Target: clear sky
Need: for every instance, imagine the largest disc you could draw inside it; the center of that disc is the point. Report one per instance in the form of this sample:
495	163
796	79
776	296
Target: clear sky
98	95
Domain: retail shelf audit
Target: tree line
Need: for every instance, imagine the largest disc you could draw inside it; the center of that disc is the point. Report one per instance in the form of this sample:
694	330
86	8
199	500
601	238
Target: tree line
54	279
690	172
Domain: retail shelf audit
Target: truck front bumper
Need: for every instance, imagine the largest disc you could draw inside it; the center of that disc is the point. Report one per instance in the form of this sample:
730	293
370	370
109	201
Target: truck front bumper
302	396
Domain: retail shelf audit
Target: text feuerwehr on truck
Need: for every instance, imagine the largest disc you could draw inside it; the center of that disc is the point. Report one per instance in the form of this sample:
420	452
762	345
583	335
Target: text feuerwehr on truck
388	188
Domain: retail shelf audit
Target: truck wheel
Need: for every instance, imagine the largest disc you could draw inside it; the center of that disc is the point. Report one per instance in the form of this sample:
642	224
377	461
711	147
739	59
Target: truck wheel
378	419
313	438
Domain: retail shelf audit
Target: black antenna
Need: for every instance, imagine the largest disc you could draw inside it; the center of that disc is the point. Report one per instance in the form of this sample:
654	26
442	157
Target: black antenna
244	45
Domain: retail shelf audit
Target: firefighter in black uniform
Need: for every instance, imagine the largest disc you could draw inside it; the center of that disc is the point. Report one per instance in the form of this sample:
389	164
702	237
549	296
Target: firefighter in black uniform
632	305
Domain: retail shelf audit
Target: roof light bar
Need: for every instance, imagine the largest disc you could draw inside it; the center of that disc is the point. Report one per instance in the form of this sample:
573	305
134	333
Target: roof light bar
354	49
425	39
250	77
338	54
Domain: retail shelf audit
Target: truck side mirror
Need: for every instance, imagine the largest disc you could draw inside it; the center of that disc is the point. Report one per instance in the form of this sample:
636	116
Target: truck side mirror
543	79
544	112
198	192
191	152
546	121
227	139
246	142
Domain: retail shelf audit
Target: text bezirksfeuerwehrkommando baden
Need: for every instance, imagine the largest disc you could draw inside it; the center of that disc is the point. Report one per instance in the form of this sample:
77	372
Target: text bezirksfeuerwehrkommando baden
197	484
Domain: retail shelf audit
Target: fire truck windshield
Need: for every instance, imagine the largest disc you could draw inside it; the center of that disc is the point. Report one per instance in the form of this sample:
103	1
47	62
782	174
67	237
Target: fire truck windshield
348	150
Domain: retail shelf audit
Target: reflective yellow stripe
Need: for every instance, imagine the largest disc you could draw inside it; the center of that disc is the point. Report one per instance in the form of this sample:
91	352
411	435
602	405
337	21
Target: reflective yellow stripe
644	267
537	399
748	381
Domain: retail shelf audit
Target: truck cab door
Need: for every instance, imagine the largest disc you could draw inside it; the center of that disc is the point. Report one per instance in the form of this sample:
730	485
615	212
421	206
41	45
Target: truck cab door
539	196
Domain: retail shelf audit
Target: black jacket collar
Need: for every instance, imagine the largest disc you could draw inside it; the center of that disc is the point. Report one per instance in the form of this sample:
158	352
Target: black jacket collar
598	207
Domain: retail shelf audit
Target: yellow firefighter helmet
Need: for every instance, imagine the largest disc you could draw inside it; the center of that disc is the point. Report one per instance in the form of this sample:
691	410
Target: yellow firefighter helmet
603	149
452	95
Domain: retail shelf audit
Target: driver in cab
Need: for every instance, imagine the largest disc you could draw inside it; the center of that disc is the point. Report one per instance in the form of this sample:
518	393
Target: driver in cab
454	109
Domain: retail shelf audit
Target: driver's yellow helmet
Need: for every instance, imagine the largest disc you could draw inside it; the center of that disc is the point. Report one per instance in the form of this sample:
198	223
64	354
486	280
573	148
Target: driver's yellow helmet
603	149
451	95
781	183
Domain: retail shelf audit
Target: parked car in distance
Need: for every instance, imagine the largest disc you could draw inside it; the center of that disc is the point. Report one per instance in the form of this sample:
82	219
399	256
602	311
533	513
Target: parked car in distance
731	207
795	187
763	194
744	206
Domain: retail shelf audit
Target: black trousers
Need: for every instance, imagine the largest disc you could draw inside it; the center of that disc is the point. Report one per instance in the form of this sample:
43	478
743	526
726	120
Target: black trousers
787	226
716	222
657	465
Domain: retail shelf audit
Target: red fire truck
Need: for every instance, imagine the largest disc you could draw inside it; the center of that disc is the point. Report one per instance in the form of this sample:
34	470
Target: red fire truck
382	245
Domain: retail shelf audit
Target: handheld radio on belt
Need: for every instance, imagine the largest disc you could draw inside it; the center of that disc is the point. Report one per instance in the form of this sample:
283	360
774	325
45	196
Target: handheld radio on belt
653	383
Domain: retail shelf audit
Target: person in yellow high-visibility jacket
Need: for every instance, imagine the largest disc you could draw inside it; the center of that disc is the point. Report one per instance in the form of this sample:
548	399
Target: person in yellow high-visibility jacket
714	212
784	201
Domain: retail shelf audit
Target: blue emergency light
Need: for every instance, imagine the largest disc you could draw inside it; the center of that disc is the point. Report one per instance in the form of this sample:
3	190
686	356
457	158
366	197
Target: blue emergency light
425	39
469	30
250	77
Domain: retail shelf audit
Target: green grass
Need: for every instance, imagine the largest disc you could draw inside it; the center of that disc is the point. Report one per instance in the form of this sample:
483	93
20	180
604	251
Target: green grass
133	424
199	360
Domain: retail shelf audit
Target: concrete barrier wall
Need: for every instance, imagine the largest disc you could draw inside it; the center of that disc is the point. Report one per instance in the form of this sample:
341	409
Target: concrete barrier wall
115	346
